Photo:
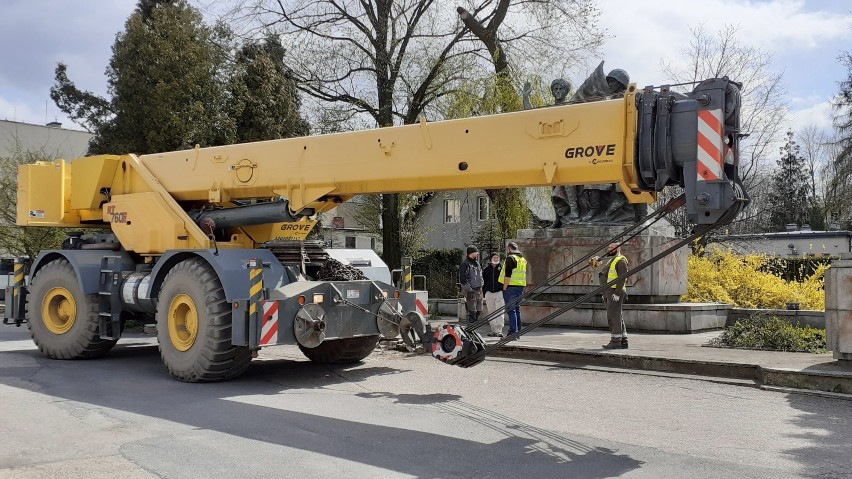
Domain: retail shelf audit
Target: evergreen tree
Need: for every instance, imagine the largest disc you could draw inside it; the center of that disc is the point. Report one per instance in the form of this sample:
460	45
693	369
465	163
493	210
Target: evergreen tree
791	199
164	77
146	7
264	100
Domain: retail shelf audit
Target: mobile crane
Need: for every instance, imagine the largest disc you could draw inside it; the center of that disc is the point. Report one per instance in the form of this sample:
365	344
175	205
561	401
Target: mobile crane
195	237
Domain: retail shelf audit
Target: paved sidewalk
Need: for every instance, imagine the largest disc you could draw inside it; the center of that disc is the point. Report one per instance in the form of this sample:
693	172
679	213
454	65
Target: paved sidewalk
680	353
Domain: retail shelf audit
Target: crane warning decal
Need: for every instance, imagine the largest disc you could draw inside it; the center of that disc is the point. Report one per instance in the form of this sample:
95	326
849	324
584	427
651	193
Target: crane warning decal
710	145
297	230
269	329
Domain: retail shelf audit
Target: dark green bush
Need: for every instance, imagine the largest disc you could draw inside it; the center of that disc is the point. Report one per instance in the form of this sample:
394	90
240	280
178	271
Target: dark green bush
441	268
794	268
764	331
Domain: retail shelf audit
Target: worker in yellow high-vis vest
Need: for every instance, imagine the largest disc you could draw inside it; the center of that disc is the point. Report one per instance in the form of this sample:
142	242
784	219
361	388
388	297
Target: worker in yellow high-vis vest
614	296
514	279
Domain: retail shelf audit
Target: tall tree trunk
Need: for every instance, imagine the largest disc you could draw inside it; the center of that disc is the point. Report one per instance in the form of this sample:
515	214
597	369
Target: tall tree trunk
391	235
509	203
391	238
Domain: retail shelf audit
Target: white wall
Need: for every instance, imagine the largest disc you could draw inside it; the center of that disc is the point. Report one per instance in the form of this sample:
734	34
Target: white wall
815	243
54	142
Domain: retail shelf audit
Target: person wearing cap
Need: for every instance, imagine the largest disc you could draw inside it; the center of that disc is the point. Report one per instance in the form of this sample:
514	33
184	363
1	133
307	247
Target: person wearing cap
615	295
470	279
514	279
494	293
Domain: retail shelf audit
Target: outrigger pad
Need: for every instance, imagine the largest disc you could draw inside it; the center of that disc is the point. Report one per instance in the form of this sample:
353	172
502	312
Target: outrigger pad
453	345
473	351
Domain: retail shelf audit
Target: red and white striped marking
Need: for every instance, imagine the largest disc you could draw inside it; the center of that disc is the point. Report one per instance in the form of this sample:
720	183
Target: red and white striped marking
710	144
421	307
269	330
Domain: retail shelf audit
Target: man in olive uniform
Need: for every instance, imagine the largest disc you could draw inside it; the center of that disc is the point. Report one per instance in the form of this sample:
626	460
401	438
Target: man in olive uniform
470	279
615	295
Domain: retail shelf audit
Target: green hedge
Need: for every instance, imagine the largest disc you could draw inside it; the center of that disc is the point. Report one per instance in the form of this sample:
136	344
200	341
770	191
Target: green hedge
441	268
795	269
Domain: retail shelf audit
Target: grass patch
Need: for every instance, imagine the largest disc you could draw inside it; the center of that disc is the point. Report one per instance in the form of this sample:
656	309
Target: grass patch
767	332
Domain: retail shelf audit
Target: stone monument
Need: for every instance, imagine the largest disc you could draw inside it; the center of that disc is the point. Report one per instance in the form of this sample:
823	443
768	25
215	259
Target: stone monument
838	309
587	217
654	293
590	203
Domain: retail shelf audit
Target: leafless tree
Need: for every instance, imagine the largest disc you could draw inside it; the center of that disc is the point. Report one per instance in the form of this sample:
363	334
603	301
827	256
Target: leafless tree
22	240
839	193
393	59
811	142
836	177
509	204
722	53
831	179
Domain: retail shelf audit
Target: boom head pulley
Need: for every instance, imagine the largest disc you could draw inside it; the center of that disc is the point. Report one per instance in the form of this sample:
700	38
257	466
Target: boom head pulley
692	140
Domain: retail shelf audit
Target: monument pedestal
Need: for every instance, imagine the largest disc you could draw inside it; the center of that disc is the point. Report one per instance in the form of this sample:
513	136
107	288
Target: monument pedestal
838	309
653	294
668	318
551	250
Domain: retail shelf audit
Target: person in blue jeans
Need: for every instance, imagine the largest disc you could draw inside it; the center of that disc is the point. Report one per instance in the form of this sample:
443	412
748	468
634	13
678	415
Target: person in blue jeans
514	281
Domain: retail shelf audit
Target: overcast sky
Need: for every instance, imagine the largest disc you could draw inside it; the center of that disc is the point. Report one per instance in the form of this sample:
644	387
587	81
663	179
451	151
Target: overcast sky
805	38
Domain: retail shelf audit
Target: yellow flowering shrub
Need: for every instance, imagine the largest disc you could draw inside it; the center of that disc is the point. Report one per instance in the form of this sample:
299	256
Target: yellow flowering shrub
726	277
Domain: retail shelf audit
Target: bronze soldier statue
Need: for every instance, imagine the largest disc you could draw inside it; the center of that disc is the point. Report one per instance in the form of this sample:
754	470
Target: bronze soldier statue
588	203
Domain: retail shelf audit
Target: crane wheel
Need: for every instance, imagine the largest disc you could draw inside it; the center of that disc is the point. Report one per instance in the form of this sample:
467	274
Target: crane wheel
63	321
342	351
194	326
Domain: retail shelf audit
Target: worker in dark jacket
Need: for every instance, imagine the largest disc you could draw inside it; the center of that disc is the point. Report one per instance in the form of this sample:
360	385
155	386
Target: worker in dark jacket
470	279
615	295
494	293
514	279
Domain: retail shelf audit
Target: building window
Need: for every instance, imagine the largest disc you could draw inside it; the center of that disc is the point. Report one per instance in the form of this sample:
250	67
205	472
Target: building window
452	211
481	208
373	244
350	242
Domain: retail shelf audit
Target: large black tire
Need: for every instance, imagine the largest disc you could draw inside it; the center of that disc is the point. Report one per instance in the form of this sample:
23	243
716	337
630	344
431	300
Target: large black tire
342	351
55	289
209	355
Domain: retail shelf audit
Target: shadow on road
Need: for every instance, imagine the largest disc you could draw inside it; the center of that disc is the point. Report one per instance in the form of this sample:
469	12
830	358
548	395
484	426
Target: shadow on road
132	379
826	424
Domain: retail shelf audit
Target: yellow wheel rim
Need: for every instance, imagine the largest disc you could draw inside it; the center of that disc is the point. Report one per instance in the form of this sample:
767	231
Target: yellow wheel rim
183	322
58	310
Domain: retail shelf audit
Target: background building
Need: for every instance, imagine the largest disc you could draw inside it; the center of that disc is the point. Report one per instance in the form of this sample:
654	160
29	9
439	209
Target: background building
50	139
339	228
803	242
451	219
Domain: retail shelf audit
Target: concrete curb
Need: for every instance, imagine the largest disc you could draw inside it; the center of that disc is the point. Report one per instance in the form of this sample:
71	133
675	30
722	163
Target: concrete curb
809	392
840	382
834	382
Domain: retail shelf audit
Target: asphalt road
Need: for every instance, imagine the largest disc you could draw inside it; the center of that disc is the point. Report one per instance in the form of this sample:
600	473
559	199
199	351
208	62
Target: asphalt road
397	415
